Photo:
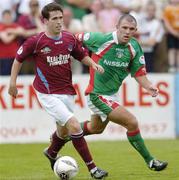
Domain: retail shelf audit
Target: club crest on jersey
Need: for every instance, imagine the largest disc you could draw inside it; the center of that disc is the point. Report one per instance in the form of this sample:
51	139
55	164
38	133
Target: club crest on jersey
45	50
70	47
119	52
142	60
86	36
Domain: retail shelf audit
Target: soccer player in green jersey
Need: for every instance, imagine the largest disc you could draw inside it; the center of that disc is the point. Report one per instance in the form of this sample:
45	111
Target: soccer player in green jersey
119	54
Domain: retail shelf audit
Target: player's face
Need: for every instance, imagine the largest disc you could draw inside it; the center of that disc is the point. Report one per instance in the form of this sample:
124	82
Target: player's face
55	22
125	30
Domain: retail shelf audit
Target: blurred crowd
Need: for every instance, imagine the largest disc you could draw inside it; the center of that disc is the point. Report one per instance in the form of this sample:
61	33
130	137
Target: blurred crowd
158	28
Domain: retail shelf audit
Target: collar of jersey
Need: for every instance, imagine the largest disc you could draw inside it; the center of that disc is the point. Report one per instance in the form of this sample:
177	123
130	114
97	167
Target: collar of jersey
115	37
56	38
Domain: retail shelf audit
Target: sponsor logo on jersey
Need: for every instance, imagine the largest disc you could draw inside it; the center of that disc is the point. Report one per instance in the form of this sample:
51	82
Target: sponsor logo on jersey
20	50
142	60
86	36
58	60
45	50
116	63
58	42
70	47
119	52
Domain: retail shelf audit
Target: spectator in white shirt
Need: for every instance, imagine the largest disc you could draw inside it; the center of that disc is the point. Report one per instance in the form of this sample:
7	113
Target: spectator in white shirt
24	5
90	21
150	34
75	26
69	23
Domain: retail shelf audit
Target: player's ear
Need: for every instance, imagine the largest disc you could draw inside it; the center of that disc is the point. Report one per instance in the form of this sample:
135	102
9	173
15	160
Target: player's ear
45	20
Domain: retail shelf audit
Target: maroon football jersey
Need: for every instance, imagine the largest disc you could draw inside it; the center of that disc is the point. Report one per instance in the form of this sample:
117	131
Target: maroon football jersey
52	61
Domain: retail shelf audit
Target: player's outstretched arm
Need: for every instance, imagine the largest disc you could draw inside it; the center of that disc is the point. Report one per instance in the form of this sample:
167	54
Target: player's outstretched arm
14	72
89	62
146	84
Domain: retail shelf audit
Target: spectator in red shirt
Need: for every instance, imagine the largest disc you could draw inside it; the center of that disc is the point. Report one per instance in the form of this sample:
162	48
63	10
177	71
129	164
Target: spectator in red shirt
31	22
8	41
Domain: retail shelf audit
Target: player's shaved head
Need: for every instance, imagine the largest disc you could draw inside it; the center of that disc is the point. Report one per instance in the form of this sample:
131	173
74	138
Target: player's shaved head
128	18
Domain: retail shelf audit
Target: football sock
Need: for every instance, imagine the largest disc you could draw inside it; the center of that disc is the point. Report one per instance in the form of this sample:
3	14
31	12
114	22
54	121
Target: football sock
83	127
138	143
56	144
82	148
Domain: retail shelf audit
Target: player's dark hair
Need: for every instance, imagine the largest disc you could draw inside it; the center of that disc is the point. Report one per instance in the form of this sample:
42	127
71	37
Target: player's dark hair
128	18
7	11
49	8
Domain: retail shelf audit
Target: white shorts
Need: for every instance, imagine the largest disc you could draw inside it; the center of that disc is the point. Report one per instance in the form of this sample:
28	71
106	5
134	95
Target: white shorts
59	106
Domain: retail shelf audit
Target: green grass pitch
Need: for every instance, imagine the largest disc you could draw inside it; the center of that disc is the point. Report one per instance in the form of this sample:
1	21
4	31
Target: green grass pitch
26	161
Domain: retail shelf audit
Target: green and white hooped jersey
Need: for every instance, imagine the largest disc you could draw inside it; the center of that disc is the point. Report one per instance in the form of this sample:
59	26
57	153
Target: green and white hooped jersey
117	60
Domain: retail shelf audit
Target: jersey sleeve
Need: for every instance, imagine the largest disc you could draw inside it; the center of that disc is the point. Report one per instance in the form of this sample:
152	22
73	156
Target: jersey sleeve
137	66
26	50
79	52
91	40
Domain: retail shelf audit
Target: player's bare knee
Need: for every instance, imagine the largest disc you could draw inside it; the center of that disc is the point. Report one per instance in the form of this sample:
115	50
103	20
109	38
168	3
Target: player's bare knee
74	127
133	125
62	131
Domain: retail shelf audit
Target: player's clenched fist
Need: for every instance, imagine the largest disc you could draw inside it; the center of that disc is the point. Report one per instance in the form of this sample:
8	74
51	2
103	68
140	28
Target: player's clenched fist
98	68
13	91
153	91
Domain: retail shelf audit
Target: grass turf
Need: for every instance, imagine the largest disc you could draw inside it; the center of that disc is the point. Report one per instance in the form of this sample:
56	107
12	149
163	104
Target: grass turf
26	161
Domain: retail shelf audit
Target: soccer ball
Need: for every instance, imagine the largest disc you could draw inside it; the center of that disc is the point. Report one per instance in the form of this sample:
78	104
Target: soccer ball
66	168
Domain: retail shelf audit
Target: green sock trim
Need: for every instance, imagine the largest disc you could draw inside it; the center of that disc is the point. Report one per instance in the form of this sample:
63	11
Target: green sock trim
138	143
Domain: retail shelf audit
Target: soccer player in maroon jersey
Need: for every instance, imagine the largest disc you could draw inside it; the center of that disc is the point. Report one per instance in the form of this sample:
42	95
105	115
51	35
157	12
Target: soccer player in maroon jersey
51	51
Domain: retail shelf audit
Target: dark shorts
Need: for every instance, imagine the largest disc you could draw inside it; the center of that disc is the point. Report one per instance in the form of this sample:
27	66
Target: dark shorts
5	66
172	42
